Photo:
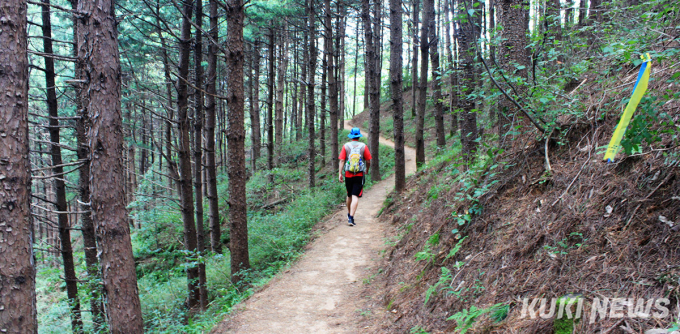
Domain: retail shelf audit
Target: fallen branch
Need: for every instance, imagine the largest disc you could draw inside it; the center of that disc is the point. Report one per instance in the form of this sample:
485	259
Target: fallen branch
273	204
547	158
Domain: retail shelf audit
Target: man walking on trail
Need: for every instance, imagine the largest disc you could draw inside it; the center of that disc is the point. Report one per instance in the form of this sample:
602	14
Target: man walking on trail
355	161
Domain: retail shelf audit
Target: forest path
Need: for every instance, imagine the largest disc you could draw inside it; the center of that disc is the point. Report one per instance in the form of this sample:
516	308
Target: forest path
320	293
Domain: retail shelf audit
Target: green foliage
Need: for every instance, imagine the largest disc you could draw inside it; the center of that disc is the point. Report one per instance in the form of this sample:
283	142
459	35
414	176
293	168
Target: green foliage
444	279
565	325
418	330
456	248
650	112
575	240
466	318
426	254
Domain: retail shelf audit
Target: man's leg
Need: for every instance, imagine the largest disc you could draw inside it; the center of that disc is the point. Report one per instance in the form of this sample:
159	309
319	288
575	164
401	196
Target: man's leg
349	204
353	206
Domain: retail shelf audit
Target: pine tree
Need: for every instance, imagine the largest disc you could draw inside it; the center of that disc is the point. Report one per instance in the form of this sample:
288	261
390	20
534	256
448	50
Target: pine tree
18	303
98	50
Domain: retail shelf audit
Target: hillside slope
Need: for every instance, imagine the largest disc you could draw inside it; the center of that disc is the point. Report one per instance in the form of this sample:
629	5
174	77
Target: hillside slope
475	242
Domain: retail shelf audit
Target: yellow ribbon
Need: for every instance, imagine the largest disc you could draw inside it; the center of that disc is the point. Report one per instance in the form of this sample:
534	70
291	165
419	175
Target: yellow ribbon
638	91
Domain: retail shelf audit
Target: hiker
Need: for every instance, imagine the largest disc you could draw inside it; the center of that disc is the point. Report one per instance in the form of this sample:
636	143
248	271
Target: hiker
355	161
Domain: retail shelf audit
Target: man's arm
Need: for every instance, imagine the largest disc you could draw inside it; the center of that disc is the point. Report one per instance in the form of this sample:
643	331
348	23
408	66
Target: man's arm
368	166
340	169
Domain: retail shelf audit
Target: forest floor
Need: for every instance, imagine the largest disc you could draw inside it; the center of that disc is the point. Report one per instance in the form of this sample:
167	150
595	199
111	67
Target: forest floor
322	292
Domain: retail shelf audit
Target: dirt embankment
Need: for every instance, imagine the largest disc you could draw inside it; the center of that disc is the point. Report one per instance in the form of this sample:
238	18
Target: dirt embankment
585	228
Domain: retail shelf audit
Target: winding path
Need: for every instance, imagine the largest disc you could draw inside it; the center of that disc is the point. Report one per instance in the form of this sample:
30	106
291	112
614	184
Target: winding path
320	293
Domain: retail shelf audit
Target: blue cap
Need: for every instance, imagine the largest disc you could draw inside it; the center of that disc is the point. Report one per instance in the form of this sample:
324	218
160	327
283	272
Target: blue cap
355	133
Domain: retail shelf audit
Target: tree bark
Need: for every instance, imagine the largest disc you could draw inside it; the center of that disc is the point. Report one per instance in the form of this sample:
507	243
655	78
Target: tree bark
311	71
185	190
16	263
422	96
356	67
453	71
332	86
211	89
295	124
89	238
340	65
303	74
415	87
143	154
322	106
236	142
59	184
198	152
172	168
396	85
374	117
270	100
513	54
98	50
468	134
280	85
255	103
436	77
374	93
569	14
595	11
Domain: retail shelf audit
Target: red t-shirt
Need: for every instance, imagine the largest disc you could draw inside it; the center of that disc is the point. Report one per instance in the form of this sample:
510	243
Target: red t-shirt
343	156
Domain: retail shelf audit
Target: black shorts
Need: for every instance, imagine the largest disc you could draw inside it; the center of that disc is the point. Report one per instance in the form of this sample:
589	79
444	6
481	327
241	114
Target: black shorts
354	185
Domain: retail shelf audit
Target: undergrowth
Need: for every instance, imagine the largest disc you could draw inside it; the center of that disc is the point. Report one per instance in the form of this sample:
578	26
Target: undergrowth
277	236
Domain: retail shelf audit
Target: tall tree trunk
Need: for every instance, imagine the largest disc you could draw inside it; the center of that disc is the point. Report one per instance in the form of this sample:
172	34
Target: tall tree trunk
356	67
322	106
415	87
332	86
198	152
143	154
377	42
59	184
374	103
130	162
513	54
238	222
172	168
422	91
453	71
211	89
280	85
596	10
436	77
396	84
16	263
185	190
98	50
553	20
374	117
295	124
340	65
569	14
270	100
311	71
303	74
468	36
83	153
255	103
492	28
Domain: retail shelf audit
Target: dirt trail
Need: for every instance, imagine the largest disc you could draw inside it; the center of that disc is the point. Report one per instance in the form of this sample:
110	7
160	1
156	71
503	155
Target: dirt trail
321	292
